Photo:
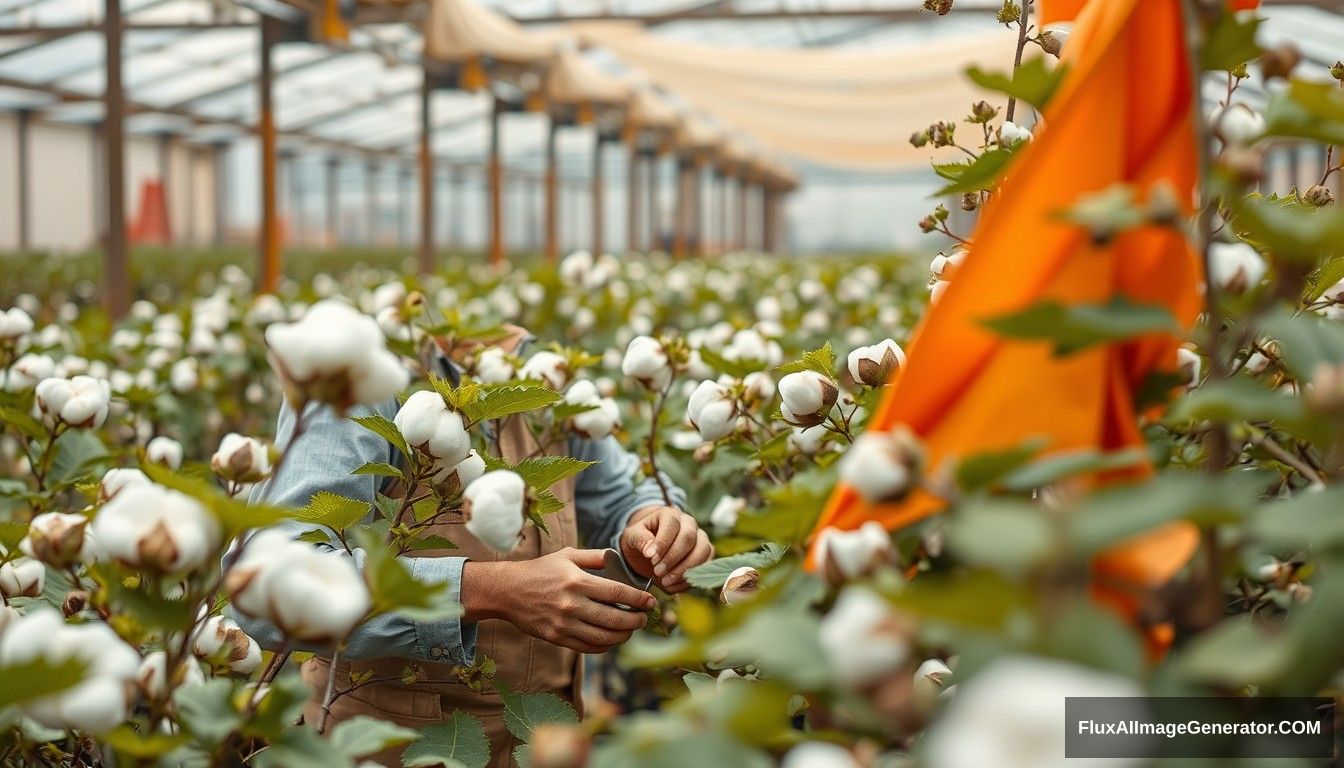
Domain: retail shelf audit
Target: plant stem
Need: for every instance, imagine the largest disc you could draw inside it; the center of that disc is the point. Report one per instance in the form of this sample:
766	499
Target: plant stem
331	691
1017	57
652	442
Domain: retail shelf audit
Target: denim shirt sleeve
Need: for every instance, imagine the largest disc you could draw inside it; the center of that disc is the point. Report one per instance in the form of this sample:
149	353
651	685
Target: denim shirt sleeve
330	448
608	493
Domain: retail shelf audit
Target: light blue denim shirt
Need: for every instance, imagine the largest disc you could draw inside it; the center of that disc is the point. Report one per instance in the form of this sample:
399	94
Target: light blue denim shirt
605	495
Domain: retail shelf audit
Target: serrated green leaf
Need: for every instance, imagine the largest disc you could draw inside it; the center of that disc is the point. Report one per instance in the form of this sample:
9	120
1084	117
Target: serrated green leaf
1230	42
382	427
379	468
1289	229
207	710
1033	81
333	511
820	360
713	574
506	401
541	472
458	743
233	514
974	175
523	712
1076	327
362	735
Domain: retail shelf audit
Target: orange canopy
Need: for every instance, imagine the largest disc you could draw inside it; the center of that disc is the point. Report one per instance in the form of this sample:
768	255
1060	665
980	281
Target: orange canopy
1122	115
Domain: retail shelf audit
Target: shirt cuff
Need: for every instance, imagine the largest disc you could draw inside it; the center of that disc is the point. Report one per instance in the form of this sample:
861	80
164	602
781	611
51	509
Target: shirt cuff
450	640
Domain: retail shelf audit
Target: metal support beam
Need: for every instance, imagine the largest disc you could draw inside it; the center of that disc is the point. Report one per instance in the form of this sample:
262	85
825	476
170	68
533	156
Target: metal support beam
698	209
721	242
293	213
599	193
551	195
268	252
456	193
371	202
425	254
495	181
333	206
116	270
25	118
221	188
403	181
653	208
681	209
632	199
741	233
165	163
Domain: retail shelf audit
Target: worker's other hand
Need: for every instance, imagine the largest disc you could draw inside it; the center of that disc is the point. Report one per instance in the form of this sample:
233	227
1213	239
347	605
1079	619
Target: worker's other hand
664	543
554	598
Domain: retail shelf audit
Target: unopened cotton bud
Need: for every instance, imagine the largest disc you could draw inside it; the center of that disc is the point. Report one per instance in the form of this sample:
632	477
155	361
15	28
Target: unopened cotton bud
431	427
493	366
807	397
1235	267
493	506
929	679
118	478
147	526
1318	195
1053	40
876	364
165	451
547	367
845	555
646	362
59	539
863	639
712	410
740	585
940	7
241	459
76	600
22	577
883	466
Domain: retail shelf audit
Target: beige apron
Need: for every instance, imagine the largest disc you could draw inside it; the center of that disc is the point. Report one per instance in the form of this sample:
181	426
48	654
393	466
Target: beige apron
525	663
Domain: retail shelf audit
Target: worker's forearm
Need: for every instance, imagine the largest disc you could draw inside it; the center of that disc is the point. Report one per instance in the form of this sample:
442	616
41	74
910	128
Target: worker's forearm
485	589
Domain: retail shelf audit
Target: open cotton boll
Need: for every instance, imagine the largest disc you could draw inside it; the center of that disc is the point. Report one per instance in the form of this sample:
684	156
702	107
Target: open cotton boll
80	402
547	367
712	410
157	683
165	451
147	526
494	367
883	466
430	426
219	639
334	355
315	596
875	365
819	754
741	585
724	515
28	371
118	478
1237	124
808	397
808	440
59	539
184	376
863	639
1235	267
1012	134
493	508
22	577
646	361
241	459
14	324
454	477
846	555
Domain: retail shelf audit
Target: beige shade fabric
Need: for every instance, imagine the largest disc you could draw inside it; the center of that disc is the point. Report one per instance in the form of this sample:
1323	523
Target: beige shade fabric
695	134
573	80
460	31
649	111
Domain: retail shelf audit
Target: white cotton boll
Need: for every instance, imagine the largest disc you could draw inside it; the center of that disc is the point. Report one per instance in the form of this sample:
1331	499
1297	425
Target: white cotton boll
146	526
166	451
1008	716
846	555
599	422
221	640
883	466
493	507
97	704
28	371
202	342
712	411
241	459
819	754
547	367
144	309
394	326
724	515
155	681
494	367
685	439
459	475
22	577
265	309
758	387
79	402
808	440
335	355
1237	124
816	321
807	397
386	295
875	365
14	324
928	682
59	539
1235	267
428	425
316	597
1011	134
72	365
863	639
747	346
125	340
741	585
575	268
1189	365
184	377
646	361
119	478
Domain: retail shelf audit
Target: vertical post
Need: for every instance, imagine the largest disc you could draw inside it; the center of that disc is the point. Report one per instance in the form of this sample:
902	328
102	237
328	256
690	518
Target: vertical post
25	118
697	208
426	252
333	204
742	188
680	211
632	198
269	268
768	213
456	195
191	231
165	161
371	201
552	202
495	173
654	213
221	195
115	266
294	194
403	203
722	198
599	192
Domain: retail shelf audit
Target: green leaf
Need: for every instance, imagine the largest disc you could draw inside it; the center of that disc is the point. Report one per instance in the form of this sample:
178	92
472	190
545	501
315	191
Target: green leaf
1243	399
1289	229
78	452
382	427
20	683
736	368
783	643
523	712
301	748
458	743
333	511
234	515
541	472
393	588
1034	81
974	175
1230	42
1115	514
820	360
144	746
362	735
978	599
207	710
23	422
1052	469
1007	535
1311	520
984	469
1306	341
1072	328
1307	110
379	468
506	401
713	574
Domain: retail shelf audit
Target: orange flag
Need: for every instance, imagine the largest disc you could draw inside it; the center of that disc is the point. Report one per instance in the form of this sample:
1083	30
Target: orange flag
1121	115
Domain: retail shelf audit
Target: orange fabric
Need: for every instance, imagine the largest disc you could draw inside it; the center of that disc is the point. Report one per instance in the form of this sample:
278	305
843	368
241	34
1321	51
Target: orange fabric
1056	11
1122	115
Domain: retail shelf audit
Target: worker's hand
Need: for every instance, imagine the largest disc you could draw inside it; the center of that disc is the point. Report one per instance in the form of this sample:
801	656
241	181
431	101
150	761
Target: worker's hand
664	543
555	599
